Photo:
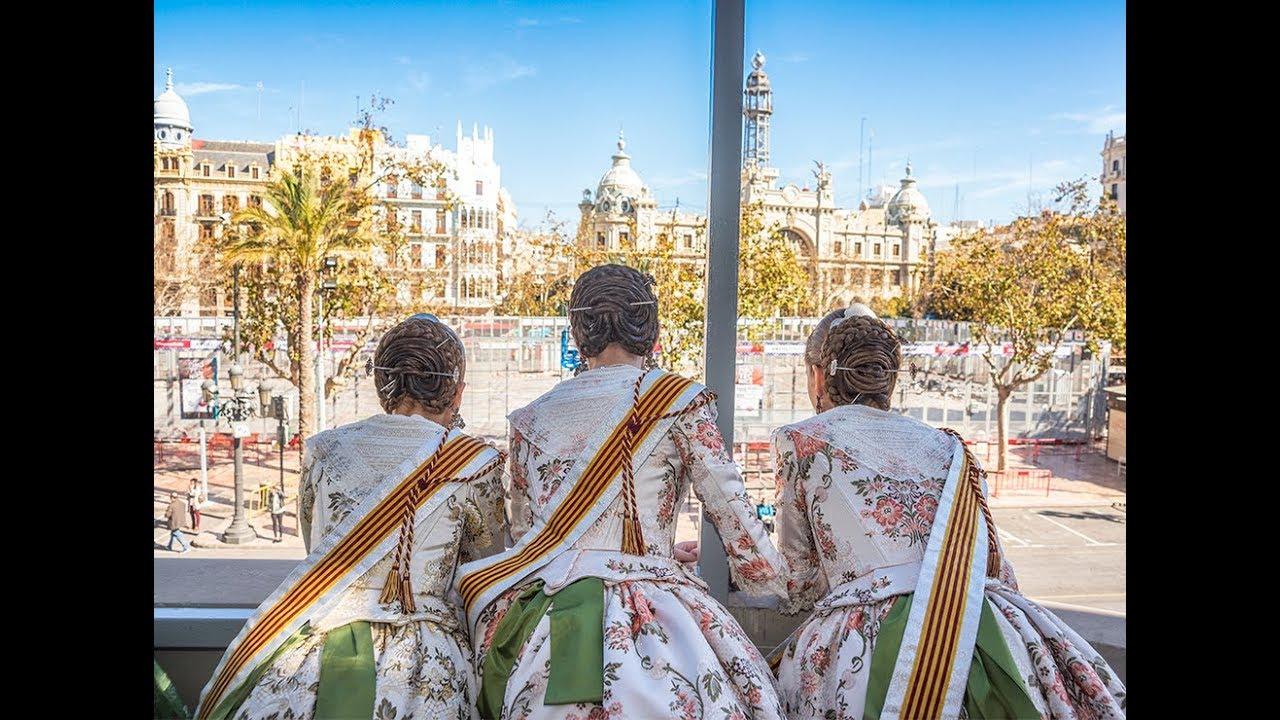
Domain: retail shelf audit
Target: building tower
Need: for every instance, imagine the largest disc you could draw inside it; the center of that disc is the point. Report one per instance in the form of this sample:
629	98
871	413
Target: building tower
757	106
171	118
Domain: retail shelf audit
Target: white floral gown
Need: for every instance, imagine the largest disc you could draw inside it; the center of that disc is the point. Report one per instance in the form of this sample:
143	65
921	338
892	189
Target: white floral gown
671	650
424	663
858	489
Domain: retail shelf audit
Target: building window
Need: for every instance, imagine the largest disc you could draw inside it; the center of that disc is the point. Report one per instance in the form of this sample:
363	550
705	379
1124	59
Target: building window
231	170
417	221
688	241
479	187
600	241
897	249
166	203
623	239
206	231
440	192
892	277
1115	191
393	187
204	169
839	248
230	203
876	250
440	259
166	231
255	201
857	249
253	172
416	191
206	204
463	217
837	276
1115	167
440	222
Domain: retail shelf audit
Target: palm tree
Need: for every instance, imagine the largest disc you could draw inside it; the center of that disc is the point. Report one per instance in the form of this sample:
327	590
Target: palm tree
301	222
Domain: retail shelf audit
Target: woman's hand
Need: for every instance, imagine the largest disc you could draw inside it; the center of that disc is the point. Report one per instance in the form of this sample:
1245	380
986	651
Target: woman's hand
687	551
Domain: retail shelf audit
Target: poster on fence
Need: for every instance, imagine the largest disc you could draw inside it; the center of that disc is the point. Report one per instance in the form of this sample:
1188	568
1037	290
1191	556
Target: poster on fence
748	390
192	371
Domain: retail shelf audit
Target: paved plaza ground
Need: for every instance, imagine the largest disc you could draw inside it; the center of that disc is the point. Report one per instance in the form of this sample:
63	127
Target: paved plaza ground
1067	545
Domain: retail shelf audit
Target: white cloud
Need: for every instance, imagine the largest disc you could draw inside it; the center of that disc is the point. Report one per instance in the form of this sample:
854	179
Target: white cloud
419	81
498	69
203	88
1097	121
686	178
525	22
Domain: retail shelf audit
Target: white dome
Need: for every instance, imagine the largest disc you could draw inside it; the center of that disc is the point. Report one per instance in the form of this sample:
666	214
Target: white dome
170	109
621	180
908	203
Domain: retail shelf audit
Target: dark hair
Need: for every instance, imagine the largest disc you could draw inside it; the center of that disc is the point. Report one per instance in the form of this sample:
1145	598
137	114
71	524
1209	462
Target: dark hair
613	303
867	356
813	346
407	358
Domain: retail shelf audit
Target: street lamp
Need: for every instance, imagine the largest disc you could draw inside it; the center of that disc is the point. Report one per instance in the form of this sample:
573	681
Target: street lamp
238	409
274	405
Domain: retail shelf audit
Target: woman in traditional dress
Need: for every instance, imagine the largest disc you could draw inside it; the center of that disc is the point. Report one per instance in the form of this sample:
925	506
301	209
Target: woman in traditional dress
388	507
884	523
590	614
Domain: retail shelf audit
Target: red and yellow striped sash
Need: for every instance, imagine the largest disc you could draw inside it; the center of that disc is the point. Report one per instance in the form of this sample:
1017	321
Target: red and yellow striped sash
364	537
591	485
939	639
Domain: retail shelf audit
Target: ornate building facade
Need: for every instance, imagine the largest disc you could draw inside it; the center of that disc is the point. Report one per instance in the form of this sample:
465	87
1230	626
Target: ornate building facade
1115	168
197	185
456	235
881	248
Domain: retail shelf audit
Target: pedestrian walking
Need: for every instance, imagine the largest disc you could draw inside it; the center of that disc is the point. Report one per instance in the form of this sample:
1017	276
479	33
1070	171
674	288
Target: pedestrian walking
275	503
177	517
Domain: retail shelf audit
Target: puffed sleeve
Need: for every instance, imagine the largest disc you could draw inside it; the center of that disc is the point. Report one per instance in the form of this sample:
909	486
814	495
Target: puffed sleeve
521	512
806	583
311	472
487	534
754	563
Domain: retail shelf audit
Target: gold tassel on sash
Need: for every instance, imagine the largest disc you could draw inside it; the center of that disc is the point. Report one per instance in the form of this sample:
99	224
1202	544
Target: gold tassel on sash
398	585
632	535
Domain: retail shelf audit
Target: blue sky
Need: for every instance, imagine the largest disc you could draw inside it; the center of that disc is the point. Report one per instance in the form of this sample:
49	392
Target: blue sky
1000	98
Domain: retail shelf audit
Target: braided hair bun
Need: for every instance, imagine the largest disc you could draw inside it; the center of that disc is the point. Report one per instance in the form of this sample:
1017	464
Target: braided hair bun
613	303
866	355
418	359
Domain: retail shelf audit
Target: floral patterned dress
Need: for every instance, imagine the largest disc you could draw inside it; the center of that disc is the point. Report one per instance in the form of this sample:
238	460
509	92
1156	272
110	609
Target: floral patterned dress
671	650
858	489
424	663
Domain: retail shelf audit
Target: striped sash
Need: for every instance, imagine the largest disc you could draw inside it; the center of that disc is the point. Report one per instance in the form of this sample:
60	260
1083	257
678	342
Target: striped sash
346	553
589	487
932	667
